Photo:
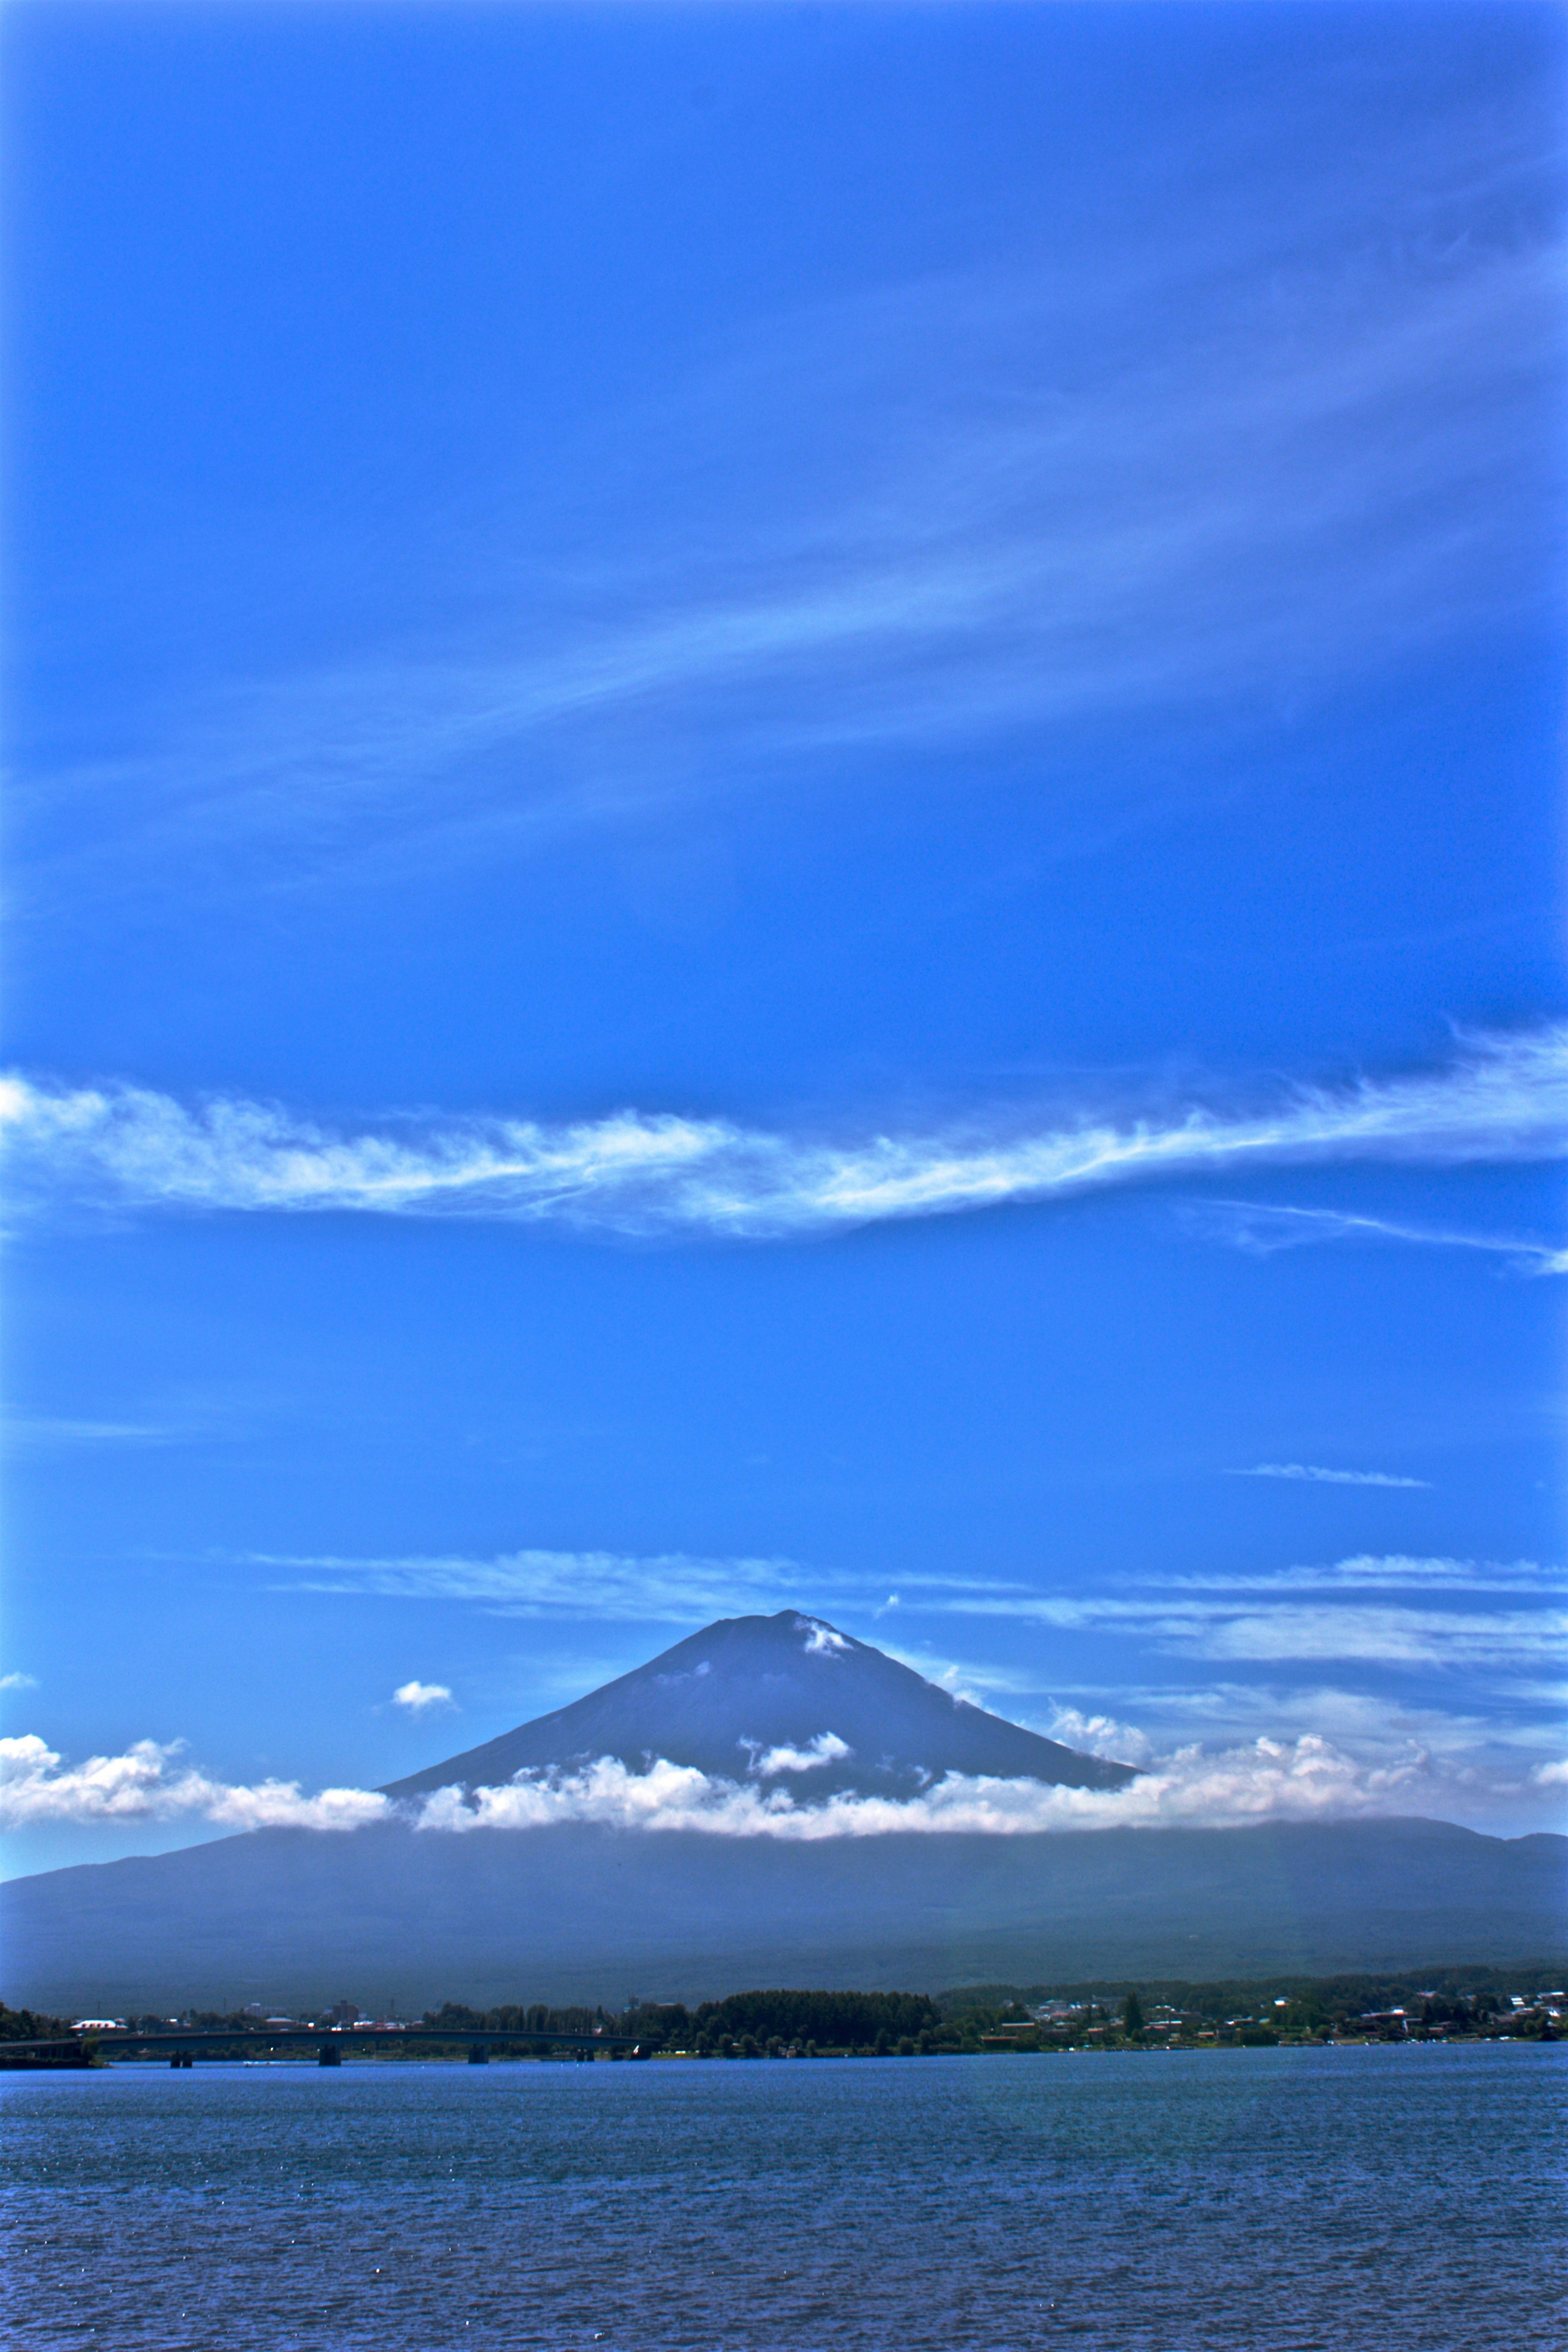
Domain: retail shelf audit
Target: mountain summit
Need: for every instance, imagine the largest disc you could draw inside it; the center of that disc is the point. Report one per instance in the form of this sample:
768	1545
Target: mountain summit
785	1702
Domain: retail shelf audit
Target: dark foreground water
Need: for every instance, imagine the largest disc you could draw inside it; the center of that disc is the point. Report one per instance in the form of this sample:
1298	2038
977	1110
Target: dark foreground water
1397	2200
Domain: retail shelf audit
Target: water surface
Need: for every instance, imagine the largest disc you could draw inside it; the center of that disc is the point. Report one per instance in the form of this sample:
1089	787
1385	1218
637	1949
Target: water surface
1385	2200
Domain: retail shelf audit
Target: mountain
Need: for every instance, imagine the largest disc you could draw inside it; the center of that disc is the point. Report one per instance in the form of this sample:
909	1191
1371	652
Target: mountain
788	1701
575	1910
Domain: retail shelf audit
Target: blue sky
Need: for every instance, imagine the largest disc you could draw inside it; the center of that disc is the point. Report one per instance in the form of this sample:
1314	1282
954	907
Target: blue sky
785	829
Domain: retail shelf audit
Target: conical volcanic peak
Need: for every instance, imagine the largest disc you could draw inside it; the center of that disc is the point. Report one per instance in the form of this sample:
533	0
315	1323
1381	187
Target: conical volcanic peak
784	1702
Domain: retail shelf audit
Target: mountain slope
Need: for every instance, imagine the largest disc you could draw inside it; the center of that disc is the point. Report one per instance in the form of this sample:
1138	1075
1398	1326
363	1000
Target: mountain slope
297	1917
787	1700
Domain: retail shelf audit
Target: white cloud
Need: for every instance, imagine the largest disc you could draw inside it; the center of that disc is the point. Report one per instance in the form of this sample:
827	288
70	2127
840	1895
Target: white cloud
1485	1752
1100	1734
1314	1475
1502	1098
420	1697
18	1682
825	1748
146	1783
1263	1228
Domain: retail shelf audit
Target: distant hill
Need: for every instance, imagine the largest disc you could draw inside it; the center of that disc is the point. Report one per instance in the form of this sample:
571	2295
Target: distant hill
744	1697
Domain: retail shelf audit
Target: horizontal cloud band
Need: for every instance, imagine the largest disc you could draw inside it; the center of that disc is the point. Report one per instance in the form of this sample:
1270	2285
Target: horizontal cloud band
1502	1098
1268	1779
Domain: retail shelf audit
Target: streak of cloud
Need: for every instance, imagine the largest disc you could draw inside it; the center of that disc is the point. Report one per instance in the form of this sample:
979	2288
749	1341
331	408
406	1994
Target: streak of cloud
1373	1571
1313	1474
1351	1610
1501	1098
613	1587
1291	1633
1262	1228
49	1432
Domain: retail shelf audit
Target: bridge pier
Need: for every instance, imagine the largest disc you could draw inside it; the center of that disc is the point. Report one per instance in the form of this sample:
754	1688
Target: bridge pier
479	2054
331	2055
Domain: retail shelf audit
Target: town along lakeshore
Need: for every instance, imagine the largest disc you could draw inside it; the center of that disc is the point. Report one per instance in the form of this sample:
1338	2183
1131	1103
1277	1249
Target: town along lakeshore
1455	2005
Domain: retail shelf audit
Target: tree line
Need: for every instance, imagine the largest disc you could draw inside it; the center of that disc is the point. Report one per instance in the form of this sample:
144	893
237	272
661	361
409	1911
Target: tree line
30	2025
770	2022
743	2024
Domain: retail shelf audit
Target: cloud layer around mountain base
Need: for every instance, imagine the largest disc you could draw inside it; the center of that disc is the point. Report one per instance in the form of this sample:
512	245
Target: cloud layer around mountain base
1305	1779
1270	1781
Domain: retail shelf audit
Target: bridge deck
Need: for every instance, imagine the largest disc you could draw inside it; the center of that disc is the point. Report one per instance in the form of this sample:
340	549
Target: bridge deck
338	2038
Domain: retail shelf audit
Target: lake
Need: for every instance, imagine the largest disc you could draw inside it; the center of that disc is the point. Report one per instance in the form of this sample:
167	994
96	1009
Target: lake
1396	2198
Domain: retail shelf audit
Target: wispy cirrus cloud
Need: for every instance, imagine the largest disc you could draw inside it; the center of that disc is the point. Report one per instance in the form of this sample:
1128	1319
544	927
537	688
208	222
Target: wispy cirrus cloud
1420	1615
46	1433
1263	1227
1370	1608
613	1587
1313	1474
1373	1572
616	1588
122	1147
1414	1614
1291	1633
978	501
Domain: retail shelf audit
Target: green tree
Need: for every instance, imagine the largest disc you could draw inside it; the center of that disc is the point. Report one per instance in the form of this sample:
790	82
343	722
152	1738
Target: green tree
1132	2018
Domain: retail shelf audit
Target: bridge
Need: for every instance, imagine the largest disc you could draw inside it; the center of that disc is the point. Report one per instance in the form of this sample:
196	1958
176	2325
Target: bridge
182	2044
